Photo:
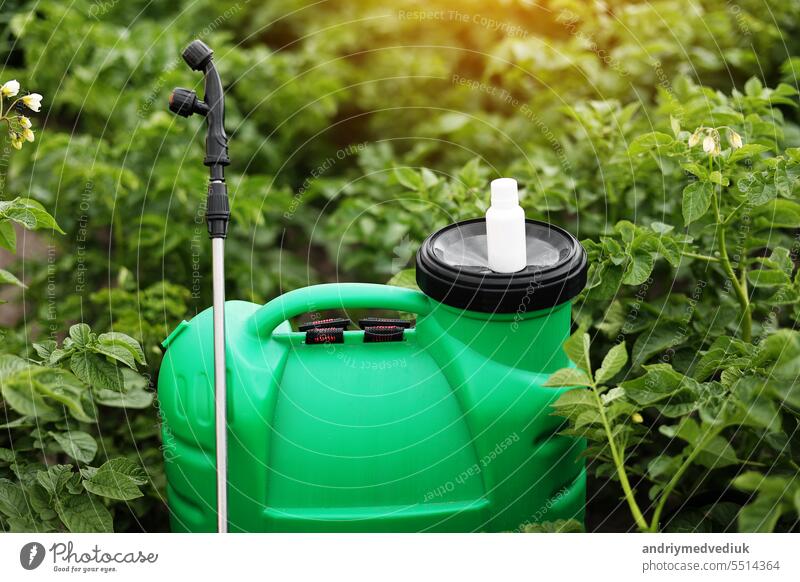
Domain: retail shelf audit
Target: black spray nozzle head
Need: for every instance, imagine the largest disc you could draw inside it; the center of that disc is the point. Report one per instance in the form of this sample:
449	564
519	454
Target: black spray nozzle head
197	55
184	102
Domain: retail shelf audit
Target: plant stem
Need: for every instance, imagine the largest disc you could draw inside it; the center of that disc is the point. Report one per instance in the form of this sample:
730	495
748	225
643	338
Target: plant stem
667	491
700	257
741	290
619	464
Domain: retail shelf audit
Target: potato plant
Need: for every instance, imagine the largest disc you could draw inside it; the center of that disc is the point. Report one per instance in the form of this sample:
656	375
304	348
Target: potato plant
53	477
711	379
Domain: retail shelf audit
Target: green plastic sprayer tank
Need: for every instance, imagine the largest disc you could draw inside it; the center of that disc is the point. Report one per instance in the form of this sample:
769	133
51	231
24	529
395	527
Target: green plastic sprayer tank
441	424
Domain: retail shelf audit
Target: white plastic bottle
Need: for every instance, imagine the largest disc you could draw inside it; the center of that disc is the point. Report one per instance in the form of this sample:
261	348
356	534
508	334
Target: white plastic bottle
505	228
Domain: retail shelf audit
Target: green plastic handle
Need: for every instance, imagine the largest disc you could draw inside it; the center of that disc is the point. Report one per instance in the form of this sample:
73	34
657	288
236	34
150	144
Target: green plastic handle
335	296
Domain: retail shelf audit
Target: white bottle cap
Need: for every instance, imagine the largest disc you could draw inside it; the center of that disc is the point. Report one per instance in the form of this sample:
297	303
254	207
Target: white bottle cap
504	192
505	229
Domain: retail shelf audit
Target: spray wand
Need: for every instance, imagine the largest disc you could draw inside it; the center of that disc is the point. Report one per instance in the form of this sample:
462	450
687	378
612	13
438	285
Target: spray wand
184	102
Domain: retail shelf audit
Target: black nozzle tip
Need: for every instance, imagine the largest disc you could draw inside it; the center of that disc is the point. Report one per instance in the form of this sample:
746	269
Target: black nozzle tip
184	102
197	55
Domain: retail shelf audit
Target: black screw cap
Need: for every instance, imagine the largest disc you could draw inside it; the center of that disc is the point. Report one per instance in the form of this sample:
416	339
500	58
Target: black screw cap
197	55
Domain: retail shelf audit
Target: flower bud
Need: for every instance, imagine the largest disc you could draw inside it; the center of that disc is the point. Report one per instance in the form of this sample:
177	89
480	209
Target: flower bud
710	145
735	140
33	101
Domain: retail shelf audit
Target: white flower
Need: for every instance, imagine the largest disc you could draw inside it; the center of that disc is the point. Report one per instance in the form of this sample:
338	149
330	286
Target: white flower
16	141
735	140
710	145
24	122
10	88
694	139
27	134
33	101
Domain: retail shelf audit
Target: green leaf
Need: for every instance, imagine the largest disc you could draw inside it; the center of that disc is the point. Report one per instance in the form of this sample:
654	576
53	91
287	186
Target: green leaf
780	213
7	278
753	87
79	445
612	395
406	278
45	349
747	151
96	371
758	193
671	250
472	174
81	334
767	278
117	479
724	352
135	394
655	340
573	402
116	352
660	381
8	236
29	213
62	387
12	499
429	179
696	170
696	200
568	377
10	365
409	178
134	399
749	481
55	478
773	497
761	515
58	355
615	360
797	501
675	125
664	466
784	184
649	141
787	393
84	514
115	340
23	392
587	418
639	268
577	350
7	455
755	404
716	177
716	451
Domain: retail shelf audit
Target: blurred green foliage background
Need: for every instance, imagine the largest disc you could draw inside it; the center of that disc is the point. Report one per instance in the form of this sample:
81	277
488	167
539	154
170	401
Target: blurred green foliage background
325	99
